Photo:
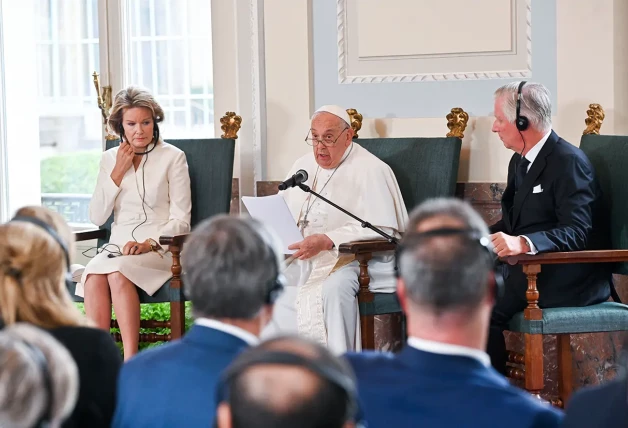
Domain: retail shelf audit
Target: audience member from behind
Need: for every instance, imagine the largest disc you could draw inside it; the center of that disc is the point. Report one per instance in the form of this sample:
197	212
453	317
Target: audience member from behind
285	383
38	379
34	263
601	406
443	377
232	274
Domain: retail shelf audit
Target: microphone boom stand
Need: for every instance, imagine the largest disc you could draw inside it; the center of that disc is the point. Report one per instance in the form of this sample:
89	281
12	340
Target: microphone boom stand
363	223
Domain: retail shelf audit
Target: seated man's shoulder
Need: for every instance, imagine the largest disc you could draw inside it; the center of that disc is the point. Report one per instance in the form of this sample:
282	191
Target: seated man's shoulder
604	405
517	401
366	360
565	148
162	354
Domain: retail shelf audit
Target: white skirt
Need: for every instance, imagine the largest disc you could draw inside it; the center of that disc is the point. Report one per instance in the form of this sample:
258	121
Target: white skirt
147	271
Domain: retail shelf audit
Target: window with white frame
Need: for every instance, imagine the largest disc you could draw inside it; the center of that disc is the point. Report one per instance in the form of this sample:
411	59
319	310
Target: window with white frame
170	53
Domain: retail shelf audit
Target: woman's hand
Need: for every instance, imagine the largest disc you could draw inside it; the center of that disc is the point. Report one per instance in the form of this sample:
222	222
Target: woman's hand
133	248
124	161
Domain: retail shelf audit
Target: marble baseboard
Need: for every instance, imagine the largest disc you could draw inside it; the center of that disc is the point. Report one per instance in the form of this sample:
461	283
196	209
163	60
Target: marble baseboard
594	354
388	332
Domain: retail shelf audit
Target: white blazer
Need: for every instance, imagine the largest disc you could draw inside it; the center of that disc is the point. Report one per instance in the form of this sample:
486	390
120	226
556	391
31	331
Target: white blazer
151	201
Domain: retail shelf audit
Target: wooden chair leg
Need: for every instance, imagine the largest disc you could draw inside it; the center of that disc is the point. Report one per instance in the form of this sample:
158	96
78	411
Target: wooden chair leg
565	362
177	304
367	322
177	319
534	364
533	342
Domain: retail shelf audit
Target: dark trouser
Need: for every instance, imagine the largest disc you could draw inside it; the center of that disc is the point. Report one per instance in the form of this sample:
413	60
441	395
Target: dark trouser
511	302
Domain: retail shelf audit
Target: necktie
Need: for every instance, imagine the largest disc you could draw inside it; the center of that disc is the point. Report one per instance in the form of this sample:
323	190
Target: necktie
522	169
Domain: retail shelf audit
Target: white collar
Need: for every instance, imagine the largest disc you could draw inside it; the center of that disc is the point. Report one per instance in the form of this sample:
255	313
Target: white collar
534	151
449	349
238	332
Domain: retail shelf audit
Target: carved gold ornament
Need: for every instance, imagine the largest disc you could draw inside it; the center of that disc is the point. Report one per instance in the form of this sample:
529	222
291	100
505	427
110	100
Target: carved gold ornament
231	124
457	122
595	117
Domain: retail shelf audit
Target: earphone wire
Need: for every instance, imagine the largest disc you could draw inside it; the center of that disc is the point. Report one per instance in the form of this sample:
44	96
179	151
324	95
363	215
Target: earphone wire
143	197
103	249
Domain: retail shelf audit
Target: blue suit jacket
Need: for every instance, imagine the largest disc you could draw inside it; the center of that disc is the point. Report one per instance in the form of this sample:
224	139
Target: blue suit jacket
175	384
601	406
422	389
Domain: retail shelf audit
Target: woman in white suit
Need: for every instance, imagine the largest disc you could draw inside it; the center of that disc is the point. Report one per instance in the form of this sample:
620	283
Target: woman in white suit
146	183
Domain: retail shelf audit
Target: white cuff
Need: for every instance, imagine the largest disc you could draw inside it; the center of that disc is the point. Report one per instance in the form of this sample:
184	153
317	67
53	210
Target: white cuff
530	244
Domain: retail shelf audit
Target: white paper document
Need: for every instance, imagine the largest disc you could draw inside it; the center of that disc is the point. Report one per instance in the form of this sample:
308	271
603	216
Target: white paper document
274	213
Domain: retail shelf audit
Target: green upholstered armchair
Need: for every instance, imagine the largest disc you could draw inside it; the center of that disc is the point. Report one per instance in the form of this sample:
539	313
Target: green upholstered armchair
210	163
609	155
424	168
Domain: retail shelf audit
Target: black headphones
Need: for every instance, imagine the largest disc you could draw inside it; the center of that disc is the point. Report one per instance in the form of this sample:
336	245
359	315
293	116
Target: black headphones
483	242
42	362
155	137
53	233
328	373
521	122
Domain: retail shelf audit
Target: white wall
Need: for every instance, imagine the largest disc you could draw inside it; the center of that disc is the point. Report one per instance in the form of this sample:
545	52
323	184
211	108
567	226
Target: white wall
592	52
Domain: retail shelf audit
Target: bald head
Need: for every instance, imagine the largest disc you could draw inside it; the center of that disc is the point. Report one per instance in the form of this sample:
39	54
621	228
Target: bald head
287	393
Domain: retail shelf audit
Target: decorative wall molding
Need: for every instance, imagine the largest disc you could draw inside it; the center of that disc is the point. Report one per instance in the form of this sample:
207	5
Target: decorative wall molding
251	93
344	76
258	85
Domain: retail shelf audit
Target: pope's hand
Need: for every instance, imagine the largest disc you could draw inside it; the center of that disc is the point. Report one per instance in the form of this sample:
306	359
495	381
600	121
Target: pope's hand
311	246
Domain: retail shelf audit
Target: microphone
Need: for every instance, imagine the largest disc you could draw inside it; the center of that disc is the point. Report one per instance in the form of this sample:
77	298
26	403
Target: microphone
295	180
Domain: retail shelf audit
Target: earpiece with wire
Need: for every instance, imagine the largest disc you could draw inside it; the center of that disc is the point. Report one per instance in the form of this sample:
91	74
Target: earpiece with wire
522	123
155	141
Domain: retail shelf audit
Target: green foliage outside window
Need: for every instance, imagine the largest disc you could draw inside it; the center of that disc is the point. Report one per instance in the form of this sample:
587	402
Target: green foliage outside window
152	311
70	172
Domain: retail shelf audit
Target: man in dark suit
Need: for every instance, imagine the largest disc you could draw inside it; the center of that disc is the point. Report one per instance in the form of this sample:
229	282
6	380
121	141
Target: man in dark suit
232	276
552	202
443	377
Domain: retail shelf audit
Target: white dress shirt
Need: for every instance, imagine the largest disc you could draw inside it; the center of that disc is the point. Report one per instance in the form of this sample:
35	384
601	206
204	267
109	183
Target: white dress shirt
449	349
531	156
238	332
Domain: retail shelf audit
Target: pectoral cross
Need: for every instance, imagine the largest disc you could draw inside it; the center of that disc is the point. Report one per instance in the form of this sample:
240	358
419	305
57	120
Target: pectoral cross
303	224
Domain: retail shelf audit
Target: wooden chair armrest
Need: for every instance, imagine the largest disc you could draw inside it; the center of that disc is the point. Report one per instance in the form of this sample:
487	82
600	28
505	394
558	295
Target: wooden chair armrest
87	235
363	247
594	256
174	241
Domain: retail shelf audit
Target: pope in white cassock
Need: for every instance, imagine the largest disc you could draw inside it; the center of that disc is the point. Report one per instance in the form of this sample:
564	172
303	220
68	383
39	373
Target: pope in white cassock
321	302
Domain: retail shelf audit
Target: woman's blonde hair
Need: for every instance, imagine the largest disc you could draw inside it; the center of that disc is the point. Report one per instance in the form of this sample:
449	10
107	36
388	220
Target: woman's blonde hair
33	269
24	395
129	98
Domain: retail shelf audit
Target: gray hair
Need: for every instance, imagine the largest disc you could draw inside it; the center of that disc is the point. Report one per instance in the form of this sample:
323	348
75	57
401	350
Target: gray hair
23	394
446	273
229	266
535	104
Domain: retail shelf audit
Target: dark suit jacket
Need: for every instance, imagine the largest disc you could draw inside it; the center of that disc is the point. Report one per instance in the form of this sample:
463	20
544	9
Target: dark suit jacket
98	360
567	215
421	389
604	406
175	384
